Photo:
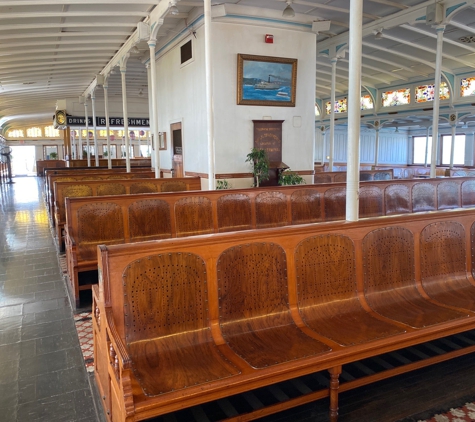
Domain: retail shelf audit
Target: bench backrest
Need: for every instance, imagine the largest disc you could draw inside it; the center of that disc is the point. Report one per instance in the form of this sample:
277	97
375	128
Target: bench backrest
117	185
206	212
75	175
252	284
365	175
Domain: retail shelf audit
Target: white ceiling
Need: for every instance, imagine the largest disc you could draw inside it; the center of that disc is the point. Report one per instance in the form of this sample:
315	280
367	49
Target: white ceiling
52	49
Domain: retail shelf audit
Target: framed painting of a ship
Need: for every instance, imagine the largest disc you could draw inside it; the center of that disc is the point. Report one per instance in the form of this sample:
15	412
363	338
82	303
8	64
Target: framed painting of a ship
266	81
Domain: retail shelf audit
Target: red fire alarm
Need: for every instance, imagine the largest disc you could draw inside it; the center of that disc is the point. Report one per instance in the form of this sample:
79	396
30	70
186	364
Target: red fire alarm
269	39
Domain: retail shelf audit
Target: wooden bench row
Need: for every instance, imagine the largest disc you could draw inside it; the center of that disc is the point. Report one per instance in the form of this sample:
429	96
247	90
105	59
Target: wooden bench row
186	321
131	218
53	176
117	186
340	176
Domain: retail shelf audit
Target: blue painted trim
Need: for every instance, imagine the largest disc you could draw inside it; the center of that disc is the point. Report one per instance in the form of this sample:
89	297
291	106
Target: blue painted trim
451	9
327	52
340	46
422	18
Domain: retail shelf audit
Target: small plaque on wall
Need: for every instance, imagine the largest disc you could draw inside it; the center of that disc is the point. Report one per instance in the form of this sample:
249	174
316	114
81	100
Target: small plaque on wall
268	136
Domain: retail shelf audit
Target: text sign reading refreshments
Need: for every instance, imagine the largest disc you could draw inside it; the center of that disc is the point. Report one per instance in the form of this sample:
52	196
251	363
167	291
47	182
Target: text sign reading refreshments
113	121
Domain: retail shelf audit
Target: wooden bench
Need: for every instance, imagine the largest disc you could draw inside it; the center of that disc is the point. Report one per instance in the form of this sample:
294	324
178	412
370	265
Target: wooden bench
74	175
460	172
340	176
187	321
131	218
42	165
118	186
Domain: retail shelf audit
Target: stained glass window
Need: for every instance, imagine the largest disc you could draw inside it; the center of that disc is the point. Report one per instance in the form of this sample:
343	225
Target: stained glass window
17	133
366	102
317	111
426	92
33	132
341	106
396	98
467	87
51	132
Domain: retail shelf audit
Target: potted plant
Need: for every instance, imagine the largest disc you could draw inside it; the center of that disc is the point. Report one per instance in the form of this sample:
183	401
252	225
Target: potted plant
53	155
289	177
222	184
260	165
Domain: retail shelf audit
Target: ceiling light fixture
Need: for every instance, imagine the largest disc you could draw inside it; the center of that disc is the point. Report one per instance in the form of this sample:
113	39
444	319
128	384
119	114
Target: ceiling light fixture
288	11
173	9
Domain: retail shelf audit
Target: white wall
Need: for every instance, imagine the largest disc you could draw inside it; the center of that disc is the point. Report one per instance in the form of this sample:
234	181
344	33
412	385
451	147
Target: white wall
182	97
233	126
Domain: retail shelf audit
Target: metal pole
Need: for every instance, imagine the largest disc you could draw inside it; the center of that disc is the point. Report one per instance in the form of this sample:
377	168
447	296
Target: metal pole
153	78
435	116
106	112
332	115
376	148
87	134
96	151
209	95
452	147
354	110
123	70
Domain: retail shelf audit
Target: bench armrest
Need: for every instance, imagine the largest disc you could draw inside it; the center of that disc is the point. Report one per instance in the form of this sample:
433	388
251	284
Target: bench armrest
121	365
117	343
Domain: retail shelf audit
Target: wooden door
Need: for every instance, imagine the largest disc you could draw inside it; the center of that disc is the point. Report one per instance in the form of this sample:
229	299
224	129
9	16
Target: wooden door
177	148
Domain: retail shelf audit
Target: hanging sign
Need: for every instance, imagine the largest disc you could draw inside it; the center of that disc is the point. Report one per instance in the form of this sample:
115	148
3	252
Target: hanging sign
113	121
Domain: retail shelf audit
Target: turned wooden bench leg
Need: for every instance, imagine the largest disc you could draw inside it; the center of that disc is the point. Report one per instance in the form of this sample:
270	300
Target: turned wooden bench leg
334	386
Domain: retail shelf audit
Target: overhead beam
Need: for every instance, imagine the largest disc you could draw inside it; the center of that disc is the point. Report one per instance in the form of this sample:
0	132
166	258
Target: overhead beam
39	15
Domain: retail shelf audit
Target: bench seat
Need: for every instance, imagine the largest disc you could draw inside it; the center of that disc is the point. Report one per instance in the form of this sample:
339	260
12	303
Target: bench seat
258	307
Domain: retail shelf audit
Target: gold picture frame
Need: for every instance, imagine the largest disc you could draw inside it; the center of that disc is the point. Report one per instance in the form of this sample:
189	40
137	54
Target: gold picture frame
266	81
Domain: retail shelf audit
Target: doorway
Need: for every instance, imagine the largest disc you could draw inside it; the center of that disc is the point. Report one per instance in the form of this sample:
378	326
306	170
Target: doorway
23	160
177	148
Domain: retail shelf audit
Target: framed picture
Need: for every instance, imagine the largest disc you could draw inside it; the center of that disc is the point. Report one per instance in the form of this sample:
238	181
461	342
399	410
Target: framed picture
266	81
162	140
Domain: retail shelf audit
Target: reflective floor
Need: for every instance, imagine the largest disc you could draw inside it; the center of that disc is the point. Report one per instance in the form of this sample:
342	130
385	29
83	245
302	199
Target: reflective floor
42	375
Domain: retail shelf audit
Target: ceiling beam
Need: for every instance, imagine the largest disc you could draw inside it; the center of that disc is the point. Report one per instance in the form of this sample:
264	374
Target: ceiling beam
88	24
22	3
39	15
59	34
427	49
432	35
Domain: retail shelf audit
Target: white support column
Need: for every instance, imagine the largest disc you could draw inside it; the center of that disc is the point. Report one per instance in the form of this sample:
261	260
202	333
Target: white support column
331	153
452	146
376	147
123	70
435	115
209	96
79	155
73	144
152	43
427	146
354	112
96	150
87	133
469	148
106	113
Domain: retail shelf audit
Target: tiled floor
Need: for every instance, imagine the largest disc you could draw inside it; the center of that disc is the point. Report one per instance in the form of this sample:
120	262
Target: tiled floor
42	374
